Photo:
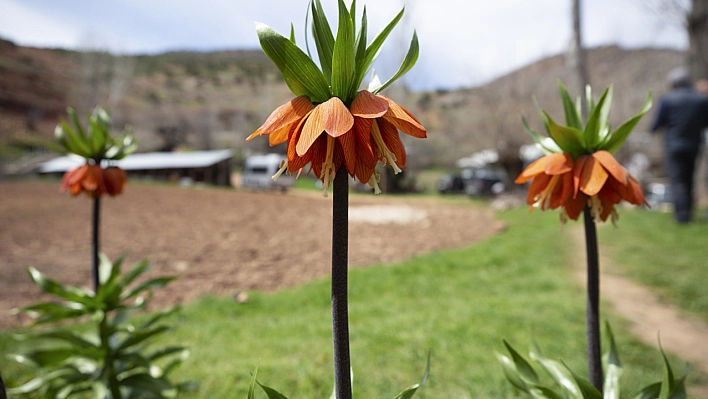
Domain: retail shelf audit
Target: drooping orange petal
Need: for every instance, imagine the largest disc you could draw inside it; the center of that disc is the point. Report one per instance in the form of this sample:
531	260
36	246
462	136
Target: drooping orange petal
93	178
332	116
557	193
567	194
287	114
319	155
611	192
362	131
76	189
611	165
574	206
403	120
607	208
348	142
558	163
537	186
295	161
536	168
631	192
364	169
637	189
577	172
367	105
592	177
338	155
563	191
114	179
281	135
393	142
253	135
73	176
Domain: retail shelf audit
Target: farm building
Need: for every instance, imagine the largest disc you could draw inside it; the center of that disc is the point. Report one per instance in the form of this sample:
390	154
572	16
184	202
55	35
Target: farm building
210	167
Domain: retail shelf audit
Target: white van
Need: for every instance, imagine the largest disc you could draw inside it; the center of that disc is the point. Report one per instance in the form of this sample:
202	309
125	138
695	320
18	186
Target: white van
259	169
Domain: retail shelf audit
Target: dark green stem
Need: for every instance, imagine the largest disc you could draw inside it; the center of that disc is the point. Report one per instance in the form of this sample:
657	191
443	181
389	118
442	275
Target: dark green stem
3	394
96	219
593	302
340	313
109	370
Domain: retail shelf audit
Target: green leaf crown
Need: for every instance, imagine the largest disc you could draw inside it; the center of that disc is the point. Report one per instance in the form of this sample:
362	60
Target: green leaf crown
344	59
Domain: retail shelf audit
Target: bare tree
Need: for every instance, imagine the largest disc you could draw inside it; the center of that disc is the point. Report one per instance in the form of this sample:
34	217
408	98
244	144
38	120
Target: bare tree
692	15
580	60
697	26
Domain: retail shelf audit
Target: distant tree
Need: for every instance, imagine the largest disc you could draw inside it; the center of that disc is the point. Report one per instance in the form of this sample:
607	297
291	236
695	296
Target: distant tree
697	26
692	15
580	60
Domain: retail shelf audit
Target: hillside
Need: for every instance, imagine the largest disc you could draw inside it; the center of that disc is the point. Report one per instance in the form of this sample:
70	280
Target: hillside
214	100
488	116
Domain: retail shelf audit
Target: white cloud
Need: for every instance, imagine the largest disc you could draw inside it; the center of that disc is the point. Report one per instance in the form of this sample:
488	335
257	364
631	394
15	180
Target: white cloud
463	42
30	27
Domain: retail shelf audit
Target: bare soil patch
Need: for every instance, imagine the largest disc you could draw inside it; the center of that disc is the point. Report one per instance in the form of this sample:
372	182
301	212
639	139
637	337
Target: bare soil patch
217	241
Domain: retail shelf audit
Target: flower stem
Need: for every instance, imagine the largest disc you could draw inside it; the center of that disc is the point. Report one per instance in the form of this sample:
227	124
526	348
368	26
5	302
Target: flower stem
593	302
340	313
94	241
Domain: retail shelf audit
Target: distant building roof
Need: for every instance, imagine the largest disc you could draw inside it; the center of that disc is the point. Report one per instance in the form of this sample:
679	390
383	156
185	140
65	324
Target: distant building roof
145	161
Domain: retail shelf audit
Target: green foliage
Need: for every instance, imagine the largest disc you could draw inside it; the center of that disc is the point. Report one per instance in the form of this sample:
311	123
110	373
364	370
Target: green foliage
456	302
344	57
568	385
273	394
95	142
596	135
111	360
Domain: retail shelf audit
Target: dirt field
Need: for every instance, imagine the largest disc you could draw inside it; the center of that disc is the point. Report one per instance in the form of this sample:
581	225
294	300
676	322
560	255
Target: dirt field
218	241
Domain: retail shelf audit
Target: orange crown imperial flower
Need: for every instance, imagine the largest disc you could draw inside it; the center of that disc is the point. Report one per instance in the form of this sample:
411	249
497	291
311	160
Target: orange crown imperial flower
579	169
94	144
94	180
331	123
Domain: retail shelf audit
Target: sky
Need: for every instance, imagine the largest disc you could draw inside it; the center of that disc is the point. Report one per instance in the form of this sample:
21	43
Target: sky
463	43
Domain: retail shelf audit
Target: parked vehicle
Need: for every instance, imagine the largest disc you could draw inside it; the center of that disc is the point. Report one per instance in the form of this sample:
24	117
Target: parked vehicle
259	169
450	184
484	181
480	181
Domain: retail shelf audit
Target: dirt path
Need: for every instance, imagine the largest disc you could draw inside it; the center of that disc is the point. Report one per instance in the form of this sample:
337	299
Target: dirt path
682	335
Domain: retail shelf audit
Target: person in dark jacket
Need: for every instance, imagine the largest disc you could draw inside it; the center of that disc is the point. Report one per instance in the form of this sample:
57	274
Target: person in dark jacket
683	112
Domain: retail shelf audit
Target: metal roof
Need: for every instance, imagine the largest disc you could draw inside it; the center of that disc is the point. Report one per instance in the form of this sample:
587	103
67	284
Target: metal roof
145	161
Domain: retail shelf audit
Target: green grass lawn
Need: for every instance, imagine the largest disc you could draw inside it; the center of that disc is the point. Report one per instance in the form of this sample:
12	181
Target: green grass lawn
456	304
673	259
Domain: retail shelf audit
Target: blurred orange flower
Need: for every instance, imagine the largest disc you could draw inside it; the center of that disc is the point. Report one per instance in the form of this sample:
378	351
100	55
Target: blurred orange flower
357	137
595	180
94	180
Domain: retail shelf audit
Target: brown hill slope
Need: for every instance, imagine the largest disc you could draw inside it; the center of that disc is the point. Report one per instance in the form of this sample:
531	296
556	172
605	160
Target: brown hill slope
488	116
214	100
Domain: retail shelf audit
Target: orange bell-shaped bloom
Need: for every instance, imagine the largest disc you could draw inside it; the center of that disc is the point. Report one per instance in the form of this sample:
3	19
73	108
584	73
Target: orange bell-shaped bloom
329	135
94	180
552	183
595	180
115	180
